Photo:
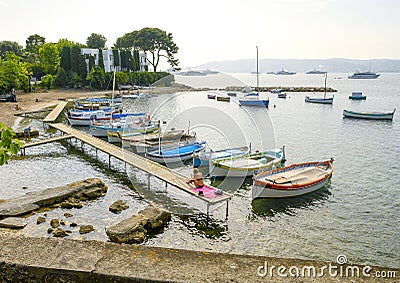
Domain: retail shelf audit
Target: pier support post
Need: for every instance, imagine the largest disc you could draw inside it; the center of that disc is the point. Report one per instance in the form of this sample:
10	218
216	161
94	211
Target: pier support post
227	210
148	180
109	161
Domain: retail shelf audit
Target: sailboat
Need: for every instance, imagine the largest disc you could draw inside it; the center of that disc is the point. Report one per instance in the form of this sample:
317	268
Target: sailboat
252	99
321	100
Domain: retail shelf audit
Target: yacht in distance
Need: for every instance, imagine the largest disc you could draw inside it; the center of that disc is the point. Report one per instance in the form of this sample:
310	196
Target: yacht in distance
364	75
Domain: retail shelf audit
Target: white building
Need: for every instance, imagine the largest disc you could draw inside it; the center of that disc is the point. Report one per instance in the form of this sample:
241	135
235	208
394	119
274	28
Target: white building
108	59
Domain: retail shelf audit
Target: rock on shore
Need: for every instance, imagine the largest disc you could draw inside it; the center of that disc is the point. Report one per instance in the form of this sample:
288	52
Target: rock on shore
83	190
135	228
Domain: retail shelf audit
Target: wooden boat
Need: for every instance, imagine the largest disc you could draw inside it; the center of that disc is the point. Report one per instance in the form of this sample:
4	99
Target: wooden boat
292	180
151	142
211	96
223	98
357	95
320	100
84	117
372	115
27	133
204	158
246	165
176	154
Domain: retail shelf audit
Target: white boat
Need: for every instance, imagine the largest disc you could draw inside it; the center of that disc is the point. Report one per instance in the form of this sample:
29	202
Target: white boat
371	115
204	158
357	95
182	152
320	100
252	99
364	75
246	165
284	72
84	118
293	180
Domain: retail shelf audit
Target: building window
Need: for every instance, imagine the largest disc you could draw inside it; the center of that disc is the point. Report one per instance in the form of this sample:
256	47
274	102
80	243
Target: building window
95	56
111	58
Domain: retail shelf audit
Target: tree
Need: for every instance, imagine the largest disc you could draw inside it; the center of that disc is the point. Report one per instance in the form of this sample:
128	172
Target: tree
65	60
101	59
10	46
9	145
75	52
96	77
14	73
61	78
153	40
97	41
34	42
115	56
49	58
47	81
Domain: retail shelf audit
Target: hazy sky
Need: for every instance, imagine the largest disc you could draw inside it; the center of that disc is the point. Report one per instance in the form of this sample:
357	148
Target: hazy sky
216	30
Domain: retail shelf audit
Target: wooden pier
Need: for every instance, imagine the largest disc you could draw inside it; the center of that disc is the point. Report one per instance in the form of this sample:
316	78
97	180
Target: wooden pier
44	141
155	169
53	115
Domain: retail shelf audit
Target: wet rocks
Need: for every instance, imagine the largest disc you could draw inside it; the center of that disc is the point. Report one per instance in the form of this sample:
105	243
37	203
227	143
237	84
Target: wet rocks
40	220
135	228
60	233
54	223
84	229
118	206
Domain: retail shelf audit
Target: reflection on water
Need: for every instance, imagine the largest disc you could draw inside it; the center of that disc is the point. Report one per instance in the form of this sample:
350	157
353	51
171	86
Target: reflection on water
265	207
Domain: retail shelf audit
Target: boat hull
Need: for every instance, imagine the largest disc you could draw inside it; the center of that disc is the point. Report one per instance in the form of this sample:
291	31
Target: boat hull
176	155
369	115
319	100
254	102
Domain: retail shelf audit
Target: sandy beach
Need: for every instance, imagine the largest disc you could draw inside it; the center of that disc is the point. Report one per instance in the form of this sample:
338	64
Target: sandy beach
36	101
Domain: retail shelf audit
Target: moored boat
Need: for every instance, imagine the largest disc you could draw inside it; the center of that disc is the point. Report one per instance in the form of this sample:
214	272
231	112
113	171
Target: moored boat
357	95
364	75
246	165
223	98
372	115
282	95
320	100
182	152
211	96
293	180
204	158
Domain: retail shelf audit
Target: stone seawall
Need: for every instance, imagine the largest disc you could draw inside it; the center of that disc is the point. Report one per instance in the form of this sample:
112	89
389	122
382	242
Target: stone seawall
27	259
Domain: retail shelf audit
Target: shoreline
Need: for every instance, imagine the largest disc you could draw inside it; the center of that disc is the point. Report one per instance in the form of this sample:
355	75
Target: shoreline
38	101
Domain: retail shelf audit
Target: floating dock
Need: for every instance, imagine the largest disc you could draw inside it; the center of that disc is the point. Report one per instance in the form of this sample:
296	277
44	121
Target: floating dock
155	169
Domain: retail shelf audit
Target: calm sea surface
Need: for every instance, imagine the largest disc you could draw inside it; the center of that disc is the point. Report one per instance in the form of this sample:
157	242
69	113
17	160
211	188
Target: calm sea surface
357	215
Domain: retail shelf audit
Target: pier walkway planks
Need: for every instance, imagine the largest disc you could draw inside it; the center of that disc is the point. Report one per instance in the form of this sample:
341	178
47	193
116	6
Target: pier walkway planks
164	173
53	115
45	141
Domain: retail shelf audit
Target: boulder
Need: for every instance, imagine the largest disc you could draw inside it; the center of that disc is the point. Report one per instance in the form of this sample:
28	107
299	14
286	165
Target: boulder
13	222
40	220
135	228
118	206
67	215
54	223
84	229
61	233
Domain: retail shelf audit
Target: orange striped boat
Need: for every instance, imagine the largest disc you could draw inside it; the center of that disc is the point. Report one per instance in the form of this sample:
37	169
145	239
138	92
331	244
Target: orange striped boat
292	180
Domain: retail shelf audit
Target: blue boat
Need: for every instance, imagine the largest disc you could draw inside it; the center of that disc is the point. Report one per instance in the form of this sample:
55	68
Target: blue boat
254	102
176	154
203	158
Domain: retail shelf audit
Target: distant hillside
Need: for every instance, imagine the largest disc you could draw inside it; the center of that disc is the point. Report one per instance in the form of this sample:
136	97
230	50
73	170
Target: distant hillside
336	65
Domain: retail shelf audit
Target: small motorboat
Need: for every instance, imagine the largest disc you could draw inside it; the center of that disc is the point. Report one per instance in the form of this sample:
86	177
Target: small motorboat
231	94
357	95
372	115
282	95
211	96
293	180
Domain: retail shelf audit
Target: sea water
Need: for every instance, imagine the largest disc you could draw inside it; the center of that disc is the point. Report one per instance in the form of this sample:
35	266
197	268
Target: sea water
357	215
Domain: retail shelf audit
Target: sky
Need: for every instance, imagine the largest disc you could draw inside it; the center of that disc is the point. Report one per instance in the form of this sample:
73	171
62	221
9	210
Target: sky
218	30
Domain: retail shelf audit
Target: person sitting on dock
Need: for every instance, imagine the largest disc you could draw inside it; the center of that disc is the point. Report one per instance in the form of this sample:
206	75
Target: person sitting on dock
197	179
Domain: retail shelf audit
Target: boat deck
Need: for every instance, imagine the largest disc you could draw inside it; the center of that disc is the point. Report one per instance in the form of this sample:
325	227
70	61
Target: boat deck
166	174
